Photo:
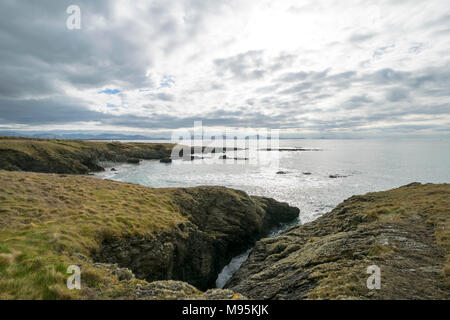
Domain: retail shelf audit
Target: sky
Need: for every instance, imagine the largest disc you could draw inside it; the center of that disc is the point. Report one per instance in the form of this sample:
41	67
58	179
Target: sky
308	68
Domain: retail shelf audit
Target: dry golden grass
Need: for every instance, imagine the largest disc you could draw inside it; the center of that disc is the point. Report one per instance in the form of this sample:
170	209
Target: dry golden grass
45	218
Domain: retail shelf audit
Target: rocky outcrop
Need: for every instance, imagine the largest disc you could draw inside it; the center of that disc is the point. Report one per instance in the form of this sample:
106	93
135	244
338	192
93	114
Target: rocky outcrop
178	290
122	235
221	224
72	156
405	232
165	160
127	286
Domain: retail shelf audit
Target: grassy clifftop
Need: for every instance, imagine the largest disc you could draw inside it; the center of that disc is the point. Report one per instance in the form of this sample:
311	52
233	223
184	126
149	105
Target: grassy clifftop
72	156
46	218
51	221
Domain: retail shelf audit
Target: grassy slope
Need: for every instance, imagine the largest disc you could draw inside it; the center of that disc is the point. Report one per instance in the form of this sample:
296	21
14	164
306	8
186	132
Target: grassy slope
45	218
71	156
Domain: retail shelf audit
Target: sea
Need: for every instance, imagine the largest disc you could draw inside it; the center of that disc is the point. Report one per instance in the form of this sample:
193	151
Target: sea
314	175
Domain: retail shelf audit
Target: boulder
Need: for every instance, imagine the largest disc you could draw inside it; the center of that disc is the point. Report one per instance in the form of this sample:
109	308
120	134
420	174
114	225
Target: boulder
123	274
133	160
165	160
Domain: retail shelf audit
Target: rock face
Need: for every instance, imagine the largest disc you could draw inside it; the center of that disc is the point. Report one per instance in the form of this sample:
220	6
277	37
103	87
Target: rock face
221	224
405	232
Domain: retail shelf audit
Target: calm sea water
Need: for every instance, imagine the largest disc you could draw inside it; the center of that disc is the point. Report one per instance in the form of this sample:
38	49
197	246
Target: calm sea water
365	166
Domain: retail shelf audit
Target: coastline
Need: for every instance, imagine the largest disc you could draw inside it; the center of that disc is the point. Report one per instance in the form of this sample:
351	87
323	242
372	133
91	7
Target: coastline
134	242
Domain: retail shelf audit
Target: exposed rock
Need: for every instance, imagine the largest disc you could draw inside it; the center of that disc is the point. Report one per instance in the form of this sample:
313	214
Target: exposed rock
123	274
291	149
113	169
306	173
178	290
224	157
403	231
165	160
281	172
335	176
221	224
133	160
166	290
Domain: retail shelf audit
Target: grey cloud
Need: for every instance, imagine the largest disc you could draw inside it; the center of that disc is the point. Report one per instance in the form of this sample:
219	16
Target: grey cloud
266	89
35	38
388	75
419	81
219	118
294	76
357	101
162	96
397	94
360	37
217	86
298	88
382	51
342	76
244	66
56	110
416	49
302	75
284	60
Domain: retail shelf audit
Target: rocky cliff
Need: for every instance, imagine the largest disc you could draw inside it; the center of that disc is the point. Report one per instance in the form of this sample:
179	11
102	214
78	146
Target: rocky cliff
221	223
405	232
124	236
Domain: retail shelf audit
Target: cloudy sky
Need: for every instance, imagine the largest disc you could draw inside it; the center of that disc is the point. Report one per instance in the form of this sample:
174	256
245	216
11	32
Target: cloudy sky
310	68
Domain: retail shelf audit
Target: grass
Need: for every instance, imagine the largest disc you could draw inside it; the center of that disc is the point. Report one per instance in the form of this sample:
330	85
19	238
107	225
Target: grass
46	218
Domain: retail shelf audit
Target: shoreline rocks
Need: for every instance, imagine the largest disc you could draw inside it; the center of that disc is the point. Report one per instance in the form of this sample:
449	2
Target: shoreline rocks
133	161
403	231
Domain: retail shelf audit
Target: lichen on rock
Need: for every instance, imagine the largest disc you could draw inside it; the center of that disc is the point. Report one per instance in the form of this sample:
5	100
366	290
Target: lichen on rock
404	231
